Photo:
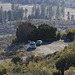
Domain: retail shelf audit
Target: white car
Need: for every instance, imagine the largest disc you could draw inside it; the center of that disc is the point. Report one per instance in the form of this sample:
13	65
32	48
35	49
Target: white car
32	45
39	42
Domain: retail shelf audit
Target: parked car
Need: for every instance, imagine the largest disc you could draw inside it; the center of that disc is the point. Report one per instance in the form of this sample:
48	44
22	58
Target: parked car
32	45
39	42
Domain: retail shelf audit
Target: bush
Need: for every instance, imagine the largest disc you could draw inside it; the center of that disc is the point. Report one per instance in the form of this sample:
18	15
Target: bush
58	36
17	59
33	58
56	73
48	55
3	71
28	31
47	32
25	31
14	41
66	59
70	34
37	58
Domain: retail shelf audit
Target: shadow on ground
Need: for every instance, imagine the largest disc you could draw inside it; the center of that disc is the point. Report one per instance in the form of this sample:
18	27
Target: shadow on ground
29	49
46	43
14	47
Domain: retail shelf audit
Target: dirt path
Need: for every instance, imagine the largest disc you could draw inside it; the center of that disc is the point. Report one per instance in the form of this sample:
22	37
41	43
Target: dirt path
50	48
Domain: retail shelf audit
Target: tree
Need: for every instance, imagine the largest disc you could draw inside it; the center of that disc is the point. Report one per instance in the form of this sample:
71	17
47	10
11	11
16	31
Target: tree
43	11
70	34
66	59
1	15
10	16
13	5
25	31
33	11
60	65
63	11
21	11
49	12
58	36
29	18
37	12
47	32
26	10
53	2
16	14
5	16
68	16
58	13
72	17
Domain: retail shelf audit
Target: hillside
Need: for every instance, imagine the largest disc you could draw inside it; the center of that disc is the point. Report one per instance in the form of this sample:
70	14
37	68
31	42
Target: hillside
42	65
23	24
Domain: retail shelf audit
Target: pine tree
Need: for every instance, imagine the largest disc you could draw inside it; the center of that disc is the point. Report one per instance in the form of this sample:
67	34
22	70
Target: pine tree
68	16
43	11
5	16
26	10
63	11
50	12
58	13
21	13
10	15
13	5
33	11
37	12
1	15
72	17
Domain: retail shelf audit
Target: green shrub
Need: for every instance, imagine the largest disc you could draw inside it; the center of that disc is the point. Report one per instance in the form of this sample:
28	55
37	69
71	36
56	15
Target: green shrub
70	34
47	32
58	36
48	55
56	73
25	31
66	59
33	58
3	71
17	59
28	31
37	58
14	40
